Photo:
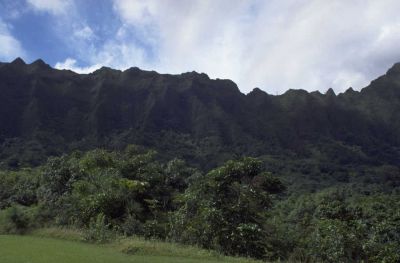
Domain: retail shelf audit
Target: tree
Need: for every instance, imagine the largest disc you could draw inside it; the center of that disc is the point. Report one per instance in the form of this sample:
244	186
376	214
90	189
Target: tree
226	209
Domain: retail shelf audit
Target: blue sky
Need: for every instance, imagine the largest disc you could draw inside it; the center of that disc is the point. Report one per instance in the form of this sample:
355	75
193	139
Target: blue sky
274	45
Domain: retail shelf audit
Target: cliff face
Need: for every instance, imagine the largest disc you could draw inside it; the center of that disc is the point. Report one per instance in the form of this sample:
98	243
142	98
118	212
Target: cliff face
44	111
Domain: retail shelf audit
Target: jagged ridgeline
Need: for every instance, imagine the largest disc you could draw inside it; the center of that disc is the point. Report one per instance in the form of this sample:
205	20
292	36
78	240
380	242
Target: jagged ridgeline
45	112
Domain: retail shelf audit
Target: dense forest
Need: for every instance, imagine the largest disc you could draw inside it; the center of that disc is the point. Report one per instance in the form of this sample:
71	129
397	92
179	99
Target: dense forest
237	208
306	177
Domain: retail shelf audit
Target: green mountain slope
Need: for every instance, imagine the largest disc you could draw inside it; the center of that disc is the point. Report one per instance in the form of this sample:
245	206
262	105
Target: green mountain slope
44	112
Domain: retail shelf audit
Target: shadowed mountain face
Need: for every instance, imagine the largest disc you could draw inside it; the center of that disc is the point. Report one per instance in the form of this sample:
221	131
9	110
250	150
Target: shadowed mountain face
44	112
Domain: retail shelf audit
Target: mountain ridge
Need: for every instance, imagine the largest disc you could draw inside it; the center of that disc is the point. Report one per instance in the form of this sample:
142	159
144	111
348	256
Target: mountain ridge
20	61
45	112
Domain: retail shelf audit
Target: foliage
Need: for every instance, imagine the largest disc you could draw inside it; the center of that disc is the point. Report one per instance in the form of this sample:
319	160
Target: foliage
99	231
15	220
225	209
236	209
19	187
340	225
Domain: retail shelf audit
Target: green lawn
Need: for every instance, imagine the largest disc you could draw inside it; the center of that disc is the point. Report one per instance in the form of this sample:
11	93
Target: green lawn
31	249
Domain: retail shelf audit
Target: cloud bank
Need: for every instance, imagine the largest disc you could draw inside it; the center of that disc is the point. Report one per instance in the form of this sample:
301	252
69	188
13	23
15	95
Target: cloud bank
10	46
275	45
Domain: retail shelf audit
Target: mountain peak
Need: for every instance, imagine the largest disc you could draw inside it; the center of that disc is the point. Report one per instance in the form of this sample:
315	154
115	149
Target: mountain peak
18	61
133	70
330	92
104	70
295	92
195	74
394	70
257	91
350	90
40	64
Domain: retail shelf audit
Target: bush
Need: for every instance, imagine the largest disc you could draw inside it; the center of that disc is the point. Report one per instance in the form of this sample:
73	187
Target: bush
132	226
14	220
155	229
334	241
99	231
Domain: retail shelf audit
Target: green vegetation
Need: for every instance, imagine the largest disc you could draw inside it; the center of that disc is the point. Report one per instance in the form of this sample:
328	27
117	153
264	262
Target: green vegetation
127	200
339	225
47	112
140	246
226	209
325	186
16	249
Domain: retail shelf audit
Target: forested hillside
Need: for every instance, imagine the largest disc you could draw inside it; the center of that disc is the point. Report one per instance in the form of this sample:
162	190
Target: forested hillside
302	177
45	112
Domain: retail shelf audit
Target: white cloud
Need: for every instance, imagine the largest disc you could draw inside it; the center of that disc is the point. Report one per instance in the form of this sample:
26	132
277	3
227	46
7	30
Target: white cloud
84	33
71	64
275	45
138	12
52	6
114	54
10	46
119	55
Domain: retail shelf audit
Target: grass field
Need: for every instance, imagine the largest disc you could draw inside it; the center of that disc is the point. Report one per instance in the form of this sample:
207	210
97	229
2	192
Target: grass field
35	249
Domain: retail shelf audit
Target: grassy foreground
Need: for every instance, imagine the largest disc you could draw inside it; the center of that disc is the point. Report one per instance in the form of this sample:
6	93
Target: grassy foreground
37	249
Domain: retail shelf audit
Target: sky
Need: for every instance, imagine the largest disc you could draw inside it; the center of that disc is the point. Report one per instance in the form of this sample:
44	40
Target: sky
275	45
